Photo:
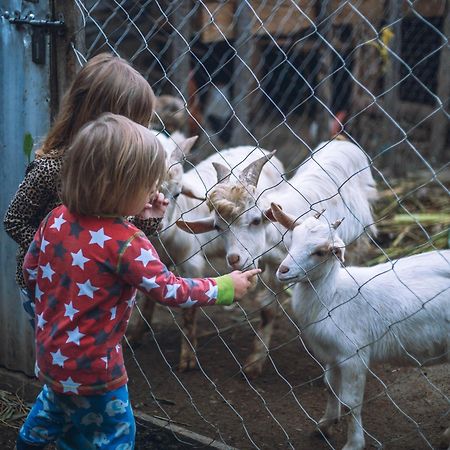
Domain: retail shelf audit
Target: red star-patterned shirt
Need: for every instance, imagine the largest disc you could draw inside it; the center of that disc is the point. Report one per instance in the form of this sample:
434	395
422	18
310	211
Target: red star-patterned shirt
83	273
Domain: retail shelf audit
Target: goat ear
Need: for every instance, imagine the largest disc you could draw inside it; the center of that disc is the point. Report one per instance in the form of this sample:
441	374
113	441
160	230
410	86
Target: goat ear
197	226
182	149
281	217
187	144
268	215
188	192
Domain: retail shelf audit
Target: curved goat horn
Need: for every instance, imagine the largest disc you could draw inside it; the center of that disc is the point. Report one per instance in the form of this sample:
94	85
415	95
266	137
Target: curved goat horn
337	223
251	173
223	172
318	214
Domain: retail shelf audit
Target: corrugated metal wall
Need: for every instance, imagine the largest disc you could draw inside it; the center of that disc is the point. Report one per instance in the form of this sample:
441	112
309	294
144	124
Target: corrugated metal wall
24	107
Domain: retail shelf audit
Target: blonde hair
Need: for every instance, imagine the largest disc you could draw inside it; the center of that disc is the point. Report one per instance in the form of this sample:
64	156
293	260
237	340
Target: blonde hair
111	162
105	84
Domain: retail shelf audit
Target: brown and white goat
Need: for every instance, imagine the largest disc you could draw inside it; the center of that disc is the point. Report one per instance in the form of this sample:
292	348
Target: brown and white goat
336	176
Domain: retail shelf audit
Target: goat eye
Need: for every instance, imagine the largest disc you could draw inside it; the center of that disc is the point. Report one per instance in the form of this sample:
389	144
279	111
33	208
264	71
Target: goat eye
216	227
256	221
175	196
320	253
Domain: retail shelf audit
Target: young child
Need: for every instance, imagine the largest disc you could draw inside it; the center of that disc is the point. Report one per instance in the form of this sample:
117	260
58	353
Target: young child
84	266
105	84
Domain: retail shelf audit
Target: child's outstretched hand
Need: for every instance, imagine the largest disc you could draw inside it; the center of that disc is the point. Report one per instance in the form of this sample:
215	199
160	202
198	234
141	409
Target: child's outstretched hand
243	281
155	208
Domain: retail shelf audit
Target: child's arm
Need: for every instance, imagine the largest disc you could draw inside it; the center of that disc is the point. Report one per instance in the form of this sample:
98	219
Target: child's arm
31	261
30	202
148	226
140	266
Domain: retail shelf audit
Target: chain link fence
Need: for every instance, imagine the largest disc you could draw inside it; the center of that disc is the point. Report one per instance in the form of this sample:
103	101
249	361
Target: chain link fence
287	75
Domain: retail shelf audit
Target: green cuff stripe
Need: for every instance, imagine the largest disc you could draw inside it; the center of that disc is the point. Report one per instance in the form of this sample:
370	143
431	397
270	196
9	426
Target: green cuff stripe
226	290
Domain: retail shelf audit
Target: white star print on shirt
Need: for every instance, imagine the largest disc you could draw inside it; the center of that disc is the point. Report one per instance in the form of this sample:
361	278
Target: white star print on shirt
74	336
70	311
78	259
44	244
58	222
47	271
149	283
130	302
145	257
32	274
172	290
113	311
38	293
86	288
213	292
188	303
99	237
58	358
41	321
70	386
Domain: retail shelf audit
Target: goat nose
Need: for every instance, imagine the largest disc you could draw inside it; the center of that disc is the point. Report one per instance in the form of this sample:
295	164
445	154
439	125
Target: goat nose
233	259
283	269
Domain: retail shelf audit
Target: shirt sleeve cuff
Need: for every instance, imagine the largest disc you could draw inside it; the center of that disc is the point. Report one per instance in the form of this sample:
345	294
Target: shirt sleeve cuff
225	287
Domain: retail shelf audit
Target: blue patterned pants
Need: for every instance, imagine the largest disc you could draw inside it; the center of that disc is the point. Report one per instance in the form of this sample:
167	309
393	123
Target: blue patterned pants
102	421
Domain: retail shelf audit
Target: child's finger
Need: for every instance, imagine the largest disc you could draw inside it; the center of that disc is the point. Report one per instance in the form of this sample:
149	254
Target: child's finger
252	272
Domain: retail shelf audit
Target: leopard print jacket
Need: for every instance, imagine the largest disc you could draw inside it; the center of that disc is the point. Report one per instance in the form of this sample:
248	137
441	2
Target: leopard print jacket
36	196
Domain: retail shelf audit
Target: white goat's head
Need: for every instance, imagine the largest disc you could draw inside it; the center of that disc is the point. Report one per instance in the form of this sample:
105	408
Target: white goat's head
237	214
176	147
315	247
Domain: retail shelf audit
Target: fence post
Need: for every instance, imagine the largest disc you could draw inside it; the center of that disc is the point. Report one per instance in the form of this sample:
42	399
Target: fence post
326	63
439	128
64	64
392	77
243	79
180	51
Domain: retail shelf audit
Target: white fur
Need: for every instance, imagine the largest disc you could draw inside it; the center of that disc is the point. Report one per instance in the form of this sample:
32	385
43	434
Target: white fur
337	177
191	255
354	317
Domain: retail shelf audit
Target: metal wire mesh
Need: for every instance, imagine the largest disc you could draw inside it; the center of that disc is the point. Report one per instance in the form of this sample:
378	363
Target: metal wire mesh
288	75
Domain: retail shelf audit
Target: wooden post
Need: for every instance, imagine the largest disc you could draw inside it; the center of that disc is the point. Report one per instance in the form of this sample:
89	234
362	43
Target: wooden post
64	63
392	134
181	52
439	128
324	91
243	78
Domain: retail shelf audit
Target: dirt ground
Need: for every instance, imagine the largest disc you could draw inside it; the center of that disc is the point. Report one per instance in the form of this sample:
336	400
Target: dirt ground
147	438
404	409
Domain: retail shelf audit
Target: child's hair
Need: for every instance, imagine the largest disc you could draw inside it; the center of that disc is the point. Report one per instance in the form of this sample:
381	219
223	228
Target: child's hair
112	161
105	84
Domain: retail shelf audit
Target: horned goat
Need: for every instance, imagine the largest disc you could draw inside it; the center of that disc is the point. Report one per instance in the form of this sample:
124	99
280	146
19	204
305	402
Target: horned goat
190	254
336	176
351	318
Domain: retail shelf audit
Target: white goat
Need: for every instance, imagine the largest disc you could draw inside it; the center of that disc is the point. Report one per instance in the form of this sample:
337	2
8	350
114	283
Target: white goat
336	176
354	317
187	253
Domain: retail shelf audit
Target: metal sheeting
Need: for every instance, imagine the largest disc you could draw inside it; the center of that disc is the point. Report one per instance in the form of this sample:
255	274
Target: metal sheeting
24	108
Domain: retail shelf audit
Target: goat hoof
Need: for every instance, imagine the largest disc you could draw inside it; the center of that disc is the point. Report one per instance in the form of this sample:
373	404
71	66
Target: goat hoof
187	365
253	370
